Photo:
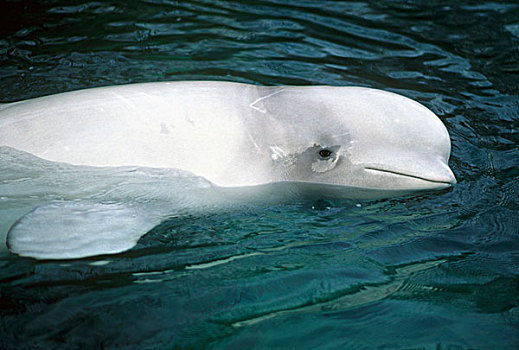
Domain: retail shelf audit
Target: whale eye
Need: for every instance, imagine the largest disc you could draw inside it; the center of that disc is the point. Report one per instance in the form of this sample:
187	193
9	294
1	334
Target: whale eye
324	153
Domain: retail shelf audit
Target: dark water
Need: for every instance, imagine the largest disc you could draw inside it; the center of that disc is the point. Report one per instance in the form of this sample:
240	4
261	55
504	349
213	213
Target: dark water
434	271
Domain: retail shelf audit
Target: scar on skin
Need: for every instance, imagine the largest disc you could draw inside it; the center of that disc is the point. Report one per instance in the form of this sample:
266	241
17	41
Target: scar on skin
262	110
254	143
164	129
125	100
277	152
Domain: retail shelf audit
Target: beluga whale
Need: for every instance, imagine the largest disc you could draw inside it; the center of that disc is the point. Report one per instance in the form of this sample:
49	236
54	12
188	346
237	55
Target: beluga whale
234	138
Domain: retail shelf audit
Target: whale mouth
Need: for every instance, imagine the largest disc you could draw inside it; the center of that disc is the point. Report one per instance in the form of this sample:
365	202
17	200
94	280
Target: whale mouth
446	179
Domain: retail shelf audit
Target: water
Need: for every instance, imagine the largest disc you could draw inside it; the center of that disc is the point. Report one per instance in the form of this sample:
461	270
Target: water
435	271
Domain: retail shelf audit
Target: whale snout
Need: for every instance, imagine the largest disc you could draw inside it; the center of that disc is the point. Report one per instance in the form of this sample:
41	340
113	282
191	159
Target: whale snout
419	172
444	175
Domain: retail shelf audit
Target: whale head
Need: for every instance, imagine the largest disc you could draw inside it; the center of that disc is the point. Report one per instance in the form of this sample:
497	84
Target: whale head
358	137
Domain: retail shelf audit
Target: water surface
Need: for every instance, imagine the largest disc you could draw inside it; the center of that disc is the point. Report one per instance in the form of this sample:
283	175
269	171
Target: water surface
437	270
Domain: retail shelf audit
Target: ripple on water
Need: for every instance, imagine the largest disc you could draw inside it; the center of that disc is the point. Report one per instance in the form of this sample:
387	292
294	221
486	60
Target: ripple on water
423	271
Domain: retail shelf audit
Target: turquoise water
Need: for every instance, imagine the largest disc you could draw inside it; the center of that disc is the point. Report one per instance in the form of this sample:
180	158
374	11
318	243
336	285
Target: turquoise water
438	270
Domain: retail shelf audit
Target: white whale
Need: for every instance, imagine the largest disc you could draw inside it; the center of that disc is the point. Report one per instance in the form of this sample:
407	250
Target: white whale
359	142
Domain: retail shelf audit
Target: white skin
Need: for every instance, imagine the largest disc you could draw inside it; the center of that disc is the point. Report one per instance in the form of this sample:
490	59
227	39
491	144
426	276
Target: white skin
331	141
240	135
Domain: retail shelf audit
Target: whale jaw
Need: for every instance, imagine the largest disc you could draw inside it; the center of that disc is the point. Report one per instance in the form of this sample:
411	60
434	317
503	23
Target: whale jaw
439	180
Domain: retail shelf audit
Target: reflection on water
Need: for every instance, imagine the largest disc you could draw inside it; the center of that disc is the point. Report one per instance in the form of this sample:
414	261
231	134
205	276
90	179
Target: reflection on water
437	270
